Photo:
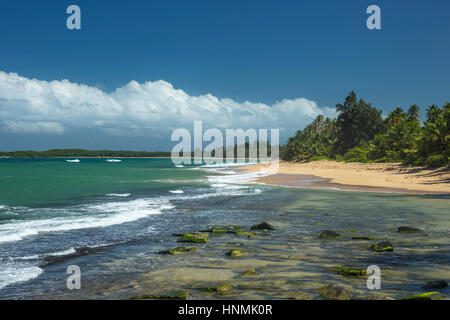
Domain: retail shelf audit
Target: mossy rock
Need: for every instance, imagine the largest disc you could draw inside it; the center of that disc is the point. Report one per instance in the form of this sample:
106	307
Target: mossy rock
194	237
435	295
349	271
262	226
174	295
223	229
221	289
437	284
235	253
328	234
249	273
360	237
319	224
244	234
334	292
382	246
409	230
177	250
216	230
348	230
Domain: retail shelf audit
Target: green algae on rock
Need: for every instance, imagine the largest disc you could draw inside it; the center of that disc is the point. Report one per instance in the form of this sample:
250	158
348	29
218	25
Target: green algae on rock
382	246
334	292
348	271
174	295
223	288
249	272
244	234
194	237
177	250
435	295
262	226
235	253
328	234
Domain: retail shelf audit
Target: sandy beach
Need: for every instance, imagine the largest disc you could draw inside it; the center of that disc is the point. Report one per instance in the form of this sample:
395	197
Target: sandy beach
375	177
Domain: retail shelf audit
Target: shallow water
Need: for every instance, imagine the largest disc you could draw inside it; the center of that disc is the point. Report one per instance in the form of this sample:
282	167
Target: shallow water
111	219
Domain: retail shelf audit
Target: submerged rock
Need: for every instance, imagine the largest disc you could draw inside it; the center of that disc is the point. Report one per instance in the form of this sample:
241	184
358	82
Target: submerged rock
249	272
177	250
438	284
328	234
334	292
223	288
244	234
223	229
435	295
409	230
235	253
349	271
174	295
359	237
382	246
194	237
262	226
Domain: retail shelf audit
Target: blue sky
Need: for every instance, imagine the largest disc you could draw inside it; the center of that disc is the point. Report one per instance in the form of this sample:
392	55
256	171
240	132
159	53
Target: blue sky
264	52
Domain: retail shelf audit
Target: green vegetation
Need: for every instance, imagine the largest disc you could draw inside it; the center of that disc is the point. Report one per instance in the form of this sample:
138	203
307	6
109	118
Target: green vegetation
360	134
178	250
194	237
349	271
80	153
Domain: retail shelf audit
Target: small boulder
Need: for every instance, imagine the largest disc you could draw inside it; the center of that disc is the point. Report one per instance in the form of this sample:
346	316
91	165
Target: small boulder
221	289
409	230
334	292
174	295
424	296
262	226
235	253
349	271
249	272
382	246
328	234
177	250
438	284
194	237
244	234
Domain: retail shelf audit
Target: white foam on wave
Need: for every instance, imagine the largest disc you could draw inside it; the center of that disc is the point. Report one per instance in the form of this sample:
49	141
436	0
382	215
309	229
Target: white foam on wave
176	191
43	255
119	194
13	273
100	215
179	166
113	160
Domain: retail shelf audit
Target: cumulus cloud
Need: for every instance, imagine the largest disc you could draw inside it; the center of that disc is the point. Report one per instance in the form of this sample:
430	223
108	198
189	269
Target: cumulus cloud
136	109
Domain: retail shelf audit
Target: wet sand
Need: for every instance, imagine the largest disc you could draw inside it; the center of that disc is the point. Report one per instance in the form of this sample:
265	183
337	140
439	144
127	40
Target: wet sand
384	177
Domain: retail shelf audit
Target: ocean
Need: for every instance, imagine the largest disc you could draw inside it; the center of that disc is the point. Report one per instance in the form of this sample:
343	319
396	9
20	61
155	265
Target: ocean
111	218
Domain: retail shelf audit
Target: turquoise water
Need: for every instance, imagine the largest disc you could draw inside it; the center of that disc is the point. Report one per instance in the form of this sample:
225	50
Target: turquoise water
112	218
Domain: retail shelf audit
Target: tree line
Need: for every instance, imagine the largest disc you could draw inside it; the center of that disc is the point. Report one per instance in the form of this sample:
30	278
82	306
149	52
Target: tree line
361	134
80	153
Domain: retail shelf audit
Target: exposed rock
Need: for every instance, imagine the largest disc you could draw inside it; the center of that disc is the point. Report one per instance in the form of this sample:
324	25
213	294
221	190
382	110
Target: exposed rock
262	226
382	246
349	271
334	292
249	272
235	253
409	230
359	237
177	250
244	234
435	295
223	288
174	295
438	284
194	237
328	234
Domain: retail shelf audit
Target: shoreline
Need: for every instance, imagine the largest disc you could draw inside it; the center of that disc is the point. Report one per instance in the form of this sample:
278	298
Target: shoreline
372	177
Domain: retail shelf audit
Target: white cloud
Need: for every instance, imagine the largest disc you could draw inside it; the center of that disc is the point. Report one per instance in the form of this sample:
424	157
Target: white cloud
31	106
12	126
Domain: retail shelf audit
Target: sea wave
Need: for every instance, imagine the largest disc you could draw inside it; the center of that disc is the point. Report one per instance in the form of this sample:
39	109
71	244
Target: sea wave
119	194
17	272
100	215
176	191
